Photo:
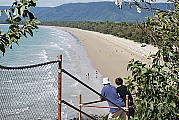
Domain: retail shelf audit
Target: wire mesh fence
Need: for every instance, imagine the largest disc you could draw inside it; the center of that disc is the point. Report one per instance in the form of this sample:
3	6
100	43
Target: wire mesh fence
29	92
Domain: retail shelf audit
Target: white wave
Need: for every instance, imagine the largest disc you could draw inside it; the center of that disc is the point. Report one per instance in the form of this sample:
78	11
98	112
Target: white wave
44	56
52	34
65	107
57	46
75	84
71	102
54	45
68	55
74	95
69	46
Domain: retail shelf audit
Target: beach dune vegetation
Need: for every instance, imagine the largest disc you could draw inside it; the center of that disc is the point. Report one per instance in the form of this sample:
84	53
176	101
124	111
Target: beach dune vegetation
132	31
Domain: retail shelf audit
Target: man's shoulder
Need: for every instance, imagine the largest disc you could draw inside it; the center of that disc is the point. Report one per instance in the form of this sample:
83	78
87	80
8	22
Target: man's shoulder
113	86
122	87
109	86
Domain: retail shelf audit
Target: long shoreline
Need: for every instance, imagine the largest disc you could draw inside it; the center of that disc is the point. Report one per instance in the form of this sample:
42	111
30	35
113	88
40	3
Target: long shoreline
109	54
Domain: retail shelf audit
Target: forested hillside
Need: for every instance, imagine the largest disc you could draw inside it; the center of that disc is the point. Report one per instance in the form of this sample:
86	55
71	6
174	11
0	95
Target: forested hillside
93	11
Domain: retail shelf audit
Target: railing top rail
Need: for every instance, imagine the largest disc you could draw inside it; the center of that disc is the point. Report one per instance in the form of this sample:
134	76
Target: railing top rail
29	66
94	106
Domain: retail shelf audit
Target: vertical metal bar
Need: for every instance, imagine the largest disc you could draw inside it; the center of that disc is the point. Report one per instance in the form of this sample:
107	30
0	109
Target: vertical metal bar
127	106
59	85
80	115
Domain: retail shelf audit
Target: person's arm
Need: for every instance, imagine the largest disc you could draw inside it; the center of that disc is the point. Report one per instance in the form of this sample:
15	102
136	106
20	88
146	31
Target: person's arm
130	99
102	99
130	96
103	94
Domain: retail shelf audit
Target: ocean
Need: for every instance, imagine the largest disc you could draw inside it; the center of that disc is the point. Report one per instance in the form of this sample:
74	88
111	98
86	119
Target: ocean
44	46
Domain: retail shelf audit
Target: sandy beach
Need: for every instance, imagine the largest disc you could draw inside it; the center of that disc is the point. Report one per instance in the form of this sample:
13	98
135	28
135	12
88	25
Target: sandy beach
109	54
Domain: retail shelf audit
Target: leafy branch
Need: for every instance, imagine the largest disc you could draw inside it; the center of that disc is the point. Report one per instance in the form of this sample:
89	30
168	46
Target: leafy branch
157	83
21	22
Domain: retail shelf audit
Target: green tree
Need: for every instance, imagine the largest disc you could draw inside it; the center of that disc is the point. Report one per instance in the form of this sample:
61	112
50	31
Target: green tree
21	22
156	85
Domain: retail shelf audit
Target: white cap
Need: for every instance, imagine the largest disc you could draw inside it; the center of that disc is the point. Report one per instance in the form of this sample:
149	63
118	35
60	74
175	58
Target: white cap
105	81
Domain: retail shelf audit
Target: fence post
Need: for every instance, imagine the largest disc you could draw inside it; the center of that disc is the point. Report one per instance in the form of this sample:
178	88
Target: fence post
59	86
79	115
127	106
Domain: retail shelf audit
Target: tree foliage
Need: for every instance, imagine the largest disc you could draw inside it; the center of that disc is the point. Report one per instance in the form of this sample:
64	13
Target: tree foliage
157	84
21	22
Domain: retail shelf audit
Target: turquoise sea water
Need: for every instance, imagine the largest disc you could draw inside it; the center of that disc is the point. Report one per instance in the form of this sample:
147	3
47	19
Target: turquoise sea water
47	43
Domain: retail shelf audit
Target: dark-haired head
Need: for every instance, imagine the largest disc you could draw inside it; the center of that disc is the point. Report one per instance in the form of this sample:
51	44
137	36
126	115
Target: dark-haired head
119	81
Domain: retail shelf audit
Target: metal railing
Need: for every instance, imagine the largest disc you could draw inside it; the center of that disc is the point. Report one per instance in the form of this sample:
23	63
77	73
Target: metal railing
26	74
60	71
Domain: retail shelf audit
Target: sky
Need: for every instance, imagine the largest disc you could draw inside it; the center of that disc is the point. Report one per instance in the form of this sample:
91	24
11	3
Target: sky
53	3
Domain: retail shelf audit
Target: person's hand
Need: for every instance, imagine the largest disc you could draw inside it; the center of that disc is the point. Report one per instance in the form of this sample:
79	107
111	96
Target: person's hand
102	99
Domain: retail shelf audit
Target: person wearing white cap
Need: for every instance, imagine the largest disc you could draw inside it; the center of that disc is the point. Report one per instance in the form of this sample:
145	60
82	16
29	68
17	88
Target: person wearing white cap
109	92
106	81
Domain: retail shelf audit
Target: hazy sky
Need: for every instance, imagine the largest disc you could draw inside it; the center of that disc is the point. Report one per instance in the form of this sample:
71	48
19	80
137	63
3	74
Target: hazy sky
53	3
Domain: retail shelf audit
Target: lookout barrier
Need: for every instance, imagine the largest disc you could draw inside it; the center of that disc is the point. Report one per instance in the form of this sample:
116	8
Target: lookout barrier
38	88
29	92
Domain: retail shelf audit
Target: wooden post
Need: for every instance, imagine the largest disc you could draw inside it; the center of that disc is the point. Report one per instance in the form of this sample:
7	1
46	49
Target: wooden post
80	115
59	86
127	106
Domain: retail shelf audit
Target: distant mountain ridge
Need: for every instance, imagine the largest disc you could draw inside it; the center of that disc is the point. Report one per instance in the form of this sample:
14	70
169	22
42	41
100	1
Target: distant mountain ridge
93	11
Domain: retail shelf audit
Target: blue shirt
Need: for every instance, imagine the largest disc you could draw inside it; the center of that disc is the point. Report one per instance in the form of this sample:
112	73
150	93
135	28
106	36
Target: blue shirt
110	93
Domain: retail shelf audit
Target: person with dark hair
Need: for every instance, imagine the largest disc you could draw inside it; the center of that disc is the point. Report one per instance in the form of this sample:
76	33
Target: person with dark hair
122	92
